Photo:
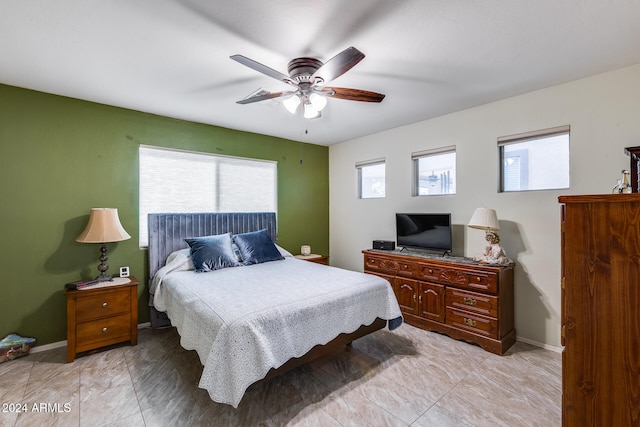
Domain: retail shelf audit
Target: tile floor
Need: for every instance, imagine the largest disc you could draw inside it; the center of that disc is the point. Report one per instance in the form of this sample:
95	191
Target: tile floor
407	377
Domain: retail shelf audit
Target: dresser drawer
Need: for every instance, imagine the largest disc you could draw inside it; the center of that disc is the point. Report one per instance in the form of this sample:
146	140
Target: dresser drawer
472	322
428	272
475	281
380	264
482	282
407	269
108	329
486	305
97	305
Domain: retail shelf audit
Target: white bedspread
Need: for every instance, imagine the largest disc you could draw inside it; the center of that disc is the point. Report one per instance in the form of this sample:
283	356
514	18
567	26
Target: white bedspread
243	321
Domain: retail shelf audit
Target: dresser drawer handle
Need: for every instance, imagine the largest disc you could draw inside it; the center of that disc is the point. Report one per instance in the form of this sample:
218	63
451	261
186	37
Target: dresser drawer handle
478	279
430	271
469	322
470	301
104	329
104	304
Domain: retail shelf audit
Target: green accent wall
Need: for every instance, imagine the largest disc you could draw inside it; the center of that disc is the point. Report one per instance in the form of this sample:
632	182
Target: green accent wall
61	156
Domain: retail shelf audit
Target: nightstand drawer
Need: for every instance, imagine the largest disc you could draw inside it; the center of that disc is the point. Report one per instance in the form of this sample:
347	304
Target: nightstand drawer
108	329
472	322
486	305
98	305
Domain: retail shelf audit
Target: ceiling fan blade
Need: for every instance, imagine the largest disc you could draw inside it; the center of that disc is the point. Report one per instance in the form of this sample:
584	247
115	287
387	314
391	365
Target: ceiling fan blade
338	65
352	94
263	69
264	97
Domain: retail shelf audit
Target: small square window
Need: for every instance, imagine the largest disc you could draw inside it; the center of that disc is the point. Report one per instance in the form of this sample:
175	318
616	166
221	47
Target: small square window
535	161
434	172
371	180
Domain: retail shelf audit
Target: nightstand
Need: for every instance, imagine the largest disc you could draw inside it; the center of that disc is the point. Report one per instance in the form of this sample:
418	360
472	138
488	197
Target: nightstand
102	315
318	259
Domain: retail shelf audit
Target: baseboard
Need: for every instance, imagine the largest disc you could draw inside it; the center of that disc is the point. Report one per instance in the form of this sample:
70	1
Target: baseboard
539	344
58	344
50	346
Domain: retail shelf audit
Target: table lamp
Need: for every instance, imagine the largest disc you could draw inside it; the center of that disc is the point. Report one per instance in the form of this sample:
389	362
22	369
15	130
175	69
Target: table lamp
486	219
103	227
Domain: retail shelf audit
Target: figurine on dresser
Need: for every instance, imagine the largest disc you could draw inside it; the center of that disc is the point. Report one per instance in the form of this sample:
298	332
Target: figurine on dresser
493	253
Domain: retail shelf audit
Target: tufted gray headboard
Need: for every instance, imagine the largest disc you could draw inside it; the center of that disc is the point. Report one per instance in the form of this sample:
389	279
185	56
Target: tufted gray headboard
167	232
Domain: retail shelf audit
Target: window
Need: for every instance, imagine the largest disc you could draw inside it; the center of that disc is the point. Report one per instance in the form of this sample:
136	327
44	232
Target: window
185	181
434	172
536	160
371	179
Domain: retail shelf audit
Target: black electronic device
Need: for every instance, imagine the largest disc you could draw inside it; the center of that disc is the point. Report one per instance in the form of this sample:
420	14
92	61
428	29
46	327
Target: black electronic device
385	245
430	231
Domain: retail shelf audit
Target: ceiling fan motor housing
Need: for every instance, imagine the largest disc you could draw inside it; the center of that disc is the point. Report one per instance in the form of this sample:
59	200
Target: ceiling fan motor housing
301	69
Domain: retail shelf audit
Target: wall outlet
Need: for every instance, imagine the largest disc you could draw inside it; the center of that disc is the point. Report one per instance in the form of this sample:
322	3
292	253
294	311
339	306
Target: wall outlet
124	271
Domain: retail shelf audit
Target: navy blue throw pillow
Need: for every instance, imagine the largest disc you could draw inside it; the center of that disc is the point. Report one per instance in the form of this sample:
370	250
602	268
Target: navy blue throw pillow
257	247
212	252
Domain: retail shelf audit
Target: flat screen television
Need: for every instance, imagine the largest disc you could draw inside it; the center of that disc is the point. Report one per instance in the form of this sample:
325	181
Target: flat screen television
430	231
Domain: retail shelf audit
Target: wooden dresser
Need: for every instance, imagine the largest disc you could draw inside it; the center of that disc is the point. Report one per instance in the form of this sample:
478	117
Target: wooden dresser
101	316
600	310
456	296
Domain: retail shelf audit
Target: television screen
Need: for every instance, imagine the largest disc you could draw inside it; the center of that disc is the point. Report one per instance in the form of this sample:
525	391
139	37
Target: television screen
424	231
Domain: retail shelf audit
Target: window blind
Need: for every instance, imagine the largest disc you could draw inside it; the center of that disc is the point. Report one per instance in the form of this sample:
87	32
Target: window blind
184	181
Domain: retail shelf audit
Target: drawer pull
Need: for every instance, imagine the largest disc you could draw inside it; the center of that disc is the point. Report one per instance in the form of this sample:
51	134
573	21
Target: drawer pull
469	322
470	301
104	304
478	279
430	271
105	329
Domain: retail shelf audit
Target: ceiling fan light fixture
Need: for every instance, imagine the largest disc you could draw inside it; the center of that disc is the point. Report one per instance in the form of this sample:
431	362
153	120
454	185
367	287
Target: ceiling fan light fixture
310	112
291	103
318	101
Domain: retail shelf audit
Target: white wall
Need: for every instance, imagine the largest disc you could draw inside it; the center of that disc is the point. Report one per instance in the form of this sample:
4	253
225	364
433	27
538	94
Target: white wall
604	114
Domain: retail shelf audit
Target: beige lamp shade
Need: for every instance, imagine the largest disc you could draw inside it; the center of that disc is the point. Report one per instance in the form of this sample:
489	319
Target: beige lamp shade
484	219
103	227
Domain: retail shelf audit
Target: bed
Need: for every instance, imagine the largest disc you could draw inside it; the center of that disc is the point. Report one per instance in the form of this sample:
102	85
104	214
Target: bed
251	322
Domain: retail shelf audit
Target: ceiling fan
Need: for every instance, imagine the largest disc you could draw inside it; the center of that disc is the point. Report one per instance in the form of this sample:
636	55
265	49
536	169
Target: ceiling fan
308	76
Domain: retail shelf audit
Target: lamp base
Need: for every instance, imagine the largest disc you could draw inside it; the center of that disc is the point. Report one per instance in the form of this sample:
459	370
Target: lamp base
103	277
103	267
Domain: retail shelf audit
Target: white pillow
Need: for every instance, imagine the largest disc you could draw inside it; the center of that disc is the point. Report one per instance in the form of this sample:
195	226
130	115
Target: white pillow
283	251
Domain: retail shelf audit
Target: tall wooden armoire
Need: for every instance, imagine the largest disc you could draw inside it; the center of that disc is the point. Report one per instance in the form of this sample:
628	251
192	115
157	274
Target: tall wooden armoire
601	310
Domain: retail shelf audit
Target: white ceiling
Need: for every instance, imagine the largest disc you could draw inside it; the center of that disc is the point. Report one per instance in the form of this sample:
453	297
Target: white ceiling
430	57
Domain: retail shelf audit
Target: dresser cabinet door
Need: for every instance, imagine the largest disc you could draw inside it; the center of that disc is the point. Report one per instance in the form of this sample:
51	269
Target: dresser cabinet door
406	291
431	301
